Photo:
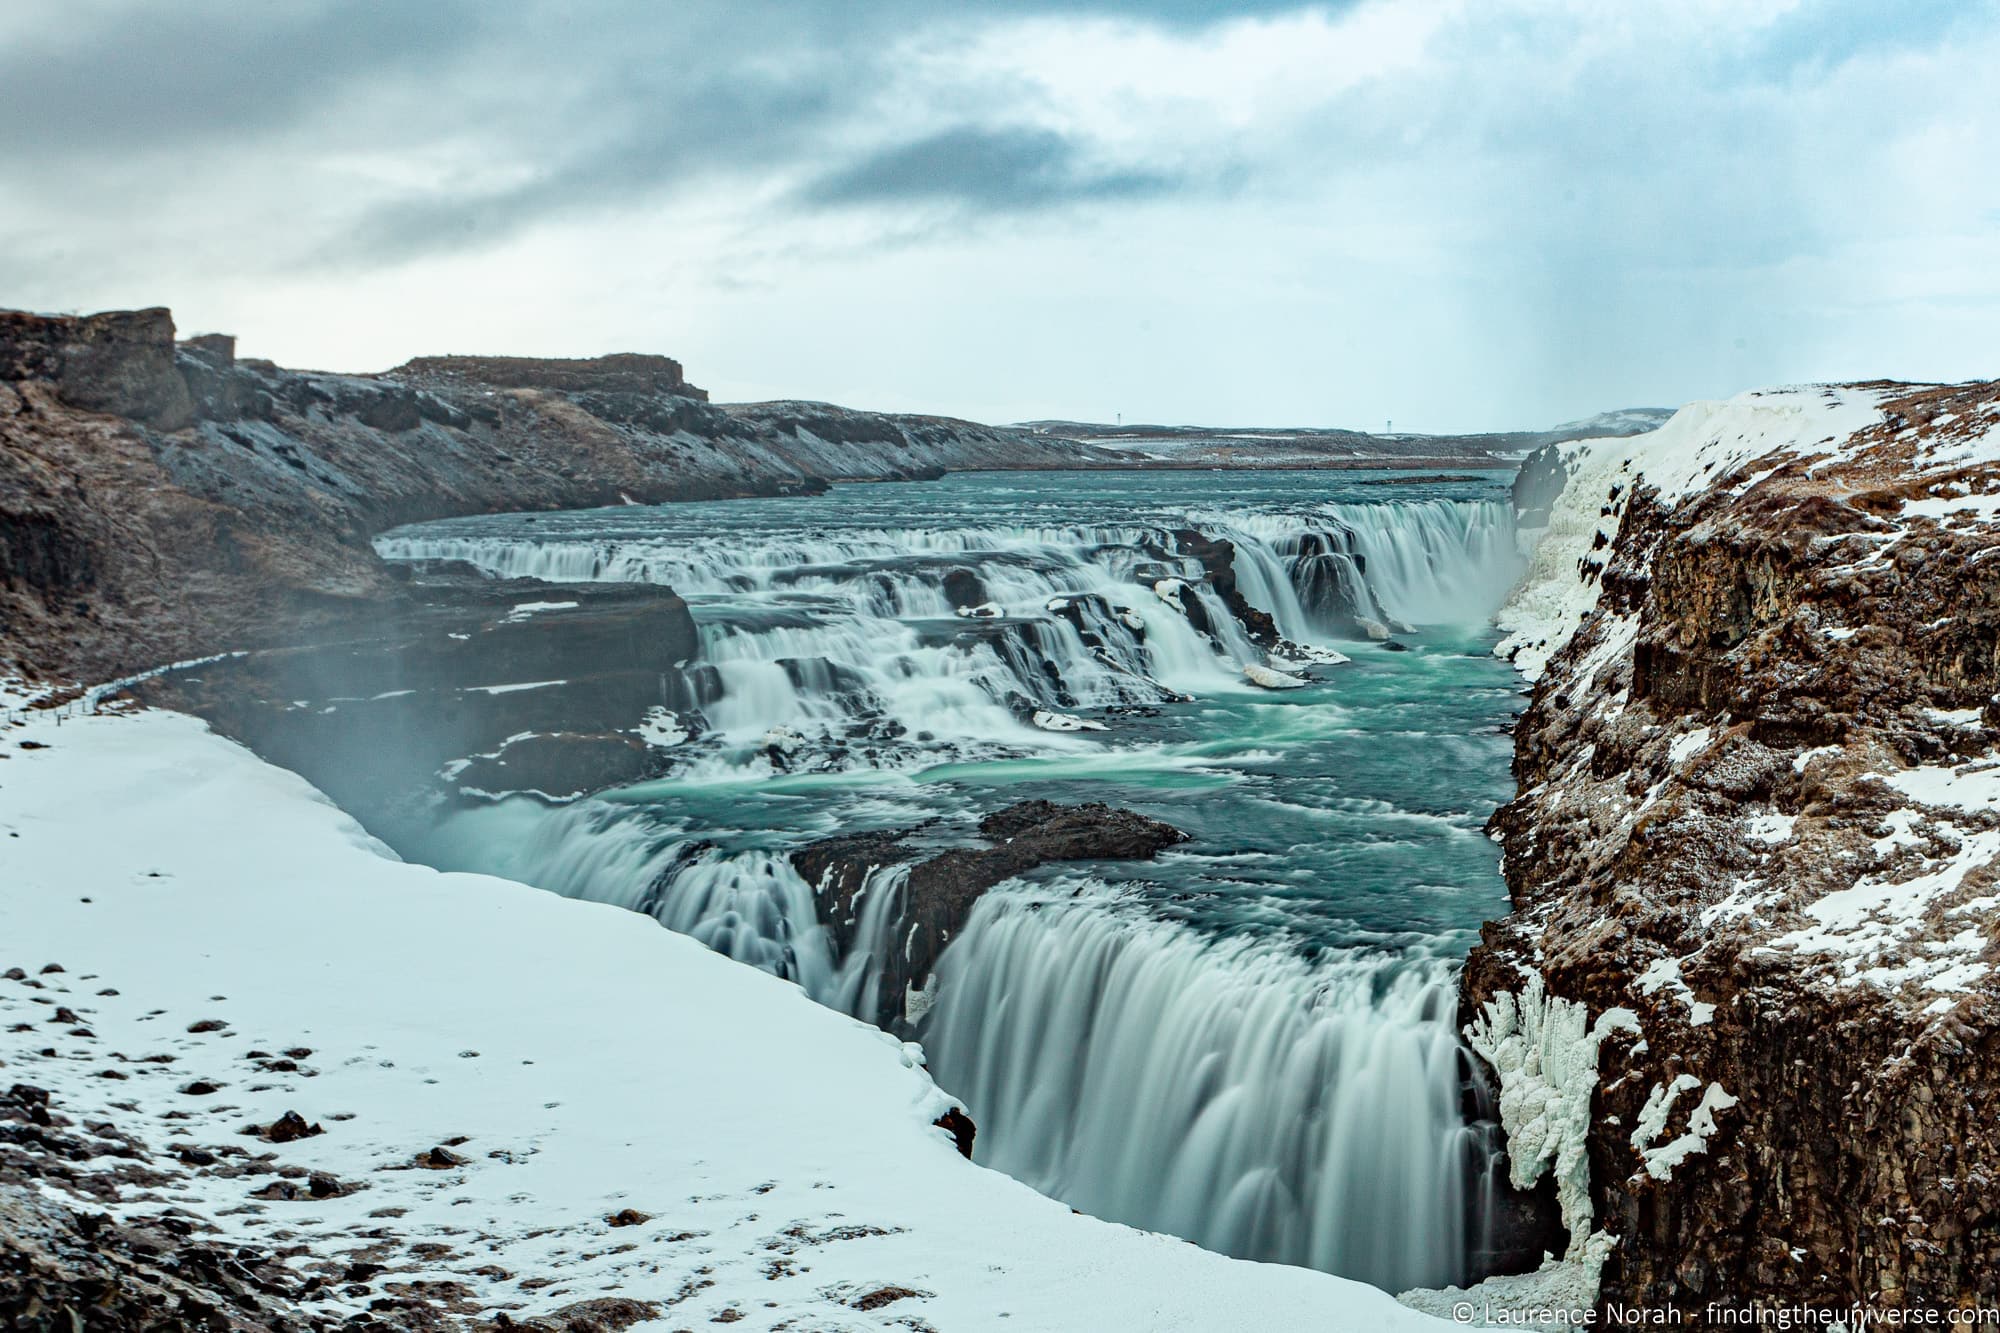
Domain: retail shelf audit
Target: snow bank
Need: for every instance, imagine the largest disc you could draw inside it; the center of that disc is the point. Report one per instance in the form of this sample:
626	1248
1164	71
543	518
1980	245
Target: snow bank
590	1061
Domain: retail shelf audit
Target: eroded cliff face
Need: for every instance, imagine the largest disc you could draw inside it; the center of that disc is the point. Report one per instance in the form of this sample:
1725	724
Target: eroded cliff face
163	500
1758	843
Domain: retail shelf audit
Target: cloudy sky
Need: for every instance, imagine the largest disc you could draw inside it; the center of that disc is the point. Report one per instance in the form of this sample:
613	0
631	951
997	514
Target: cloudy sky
1450	213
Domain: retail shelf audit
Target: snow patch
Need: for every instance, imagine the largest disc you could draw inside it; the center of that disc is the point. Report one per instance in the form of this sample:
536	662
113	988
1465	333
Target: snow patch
662	728
1771	829
1271	679
1659	1163
1701	443
1665	973
522	610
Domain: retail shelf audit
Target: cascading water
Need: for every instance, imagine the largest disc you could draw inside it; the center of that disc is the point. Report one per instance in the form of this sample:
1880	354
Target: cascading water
1228	1092
1250	1042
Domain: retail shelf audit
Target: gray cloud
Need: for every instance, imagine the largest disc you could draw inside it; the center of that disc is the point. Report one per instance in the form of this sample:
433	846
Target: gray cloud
84	84
1001	168
651	142
1597	207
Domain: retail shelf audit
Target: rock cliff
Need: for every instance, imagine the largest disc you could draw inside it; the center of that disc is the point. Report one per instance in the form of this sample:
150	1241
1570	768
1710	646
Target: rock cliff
162	500
1745	1005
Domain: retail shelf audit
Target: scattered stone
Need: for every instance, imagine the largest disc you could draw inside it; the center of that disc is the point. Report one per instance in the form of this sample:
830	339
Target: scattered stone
288	1127
628	1217
882	1296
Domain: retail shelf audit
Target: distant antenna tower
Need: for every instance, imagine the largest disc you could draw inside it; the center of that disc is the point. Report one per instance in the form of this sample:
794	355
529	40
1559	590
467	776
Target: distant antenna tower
1121	418
1389	427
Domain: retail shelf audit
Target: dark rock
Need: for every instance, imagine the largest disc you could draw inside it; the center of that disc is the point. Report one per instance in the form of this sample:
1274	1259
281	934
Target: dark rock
603	1314
941	889
1837	1176
965	589
1537	485
628	1217
120	362
289	1126
390	715
1218	557
621	373
958	1124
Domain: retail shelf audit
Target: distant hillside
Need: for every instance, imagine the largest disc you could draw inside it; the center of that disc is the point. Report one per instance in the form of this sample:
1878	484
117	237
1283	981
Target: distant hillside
1312	447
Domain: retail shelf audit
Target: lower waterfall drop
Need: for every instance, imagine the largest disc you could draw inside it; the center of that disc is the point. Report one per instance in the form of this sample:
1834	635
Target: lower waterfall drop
1224	1090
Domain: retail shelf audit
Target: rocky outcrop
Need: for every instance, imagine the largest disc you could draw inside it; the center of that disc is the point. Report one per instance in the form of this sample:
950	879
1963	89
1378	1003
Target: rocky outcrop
121	362
625	372
464	689
1755	860
163	500
1218	559
942	885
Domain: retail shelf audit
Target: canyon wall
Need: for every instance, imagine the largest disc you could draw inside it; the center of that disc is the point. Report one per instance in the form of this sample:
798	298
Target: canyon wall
161	500
1745	1005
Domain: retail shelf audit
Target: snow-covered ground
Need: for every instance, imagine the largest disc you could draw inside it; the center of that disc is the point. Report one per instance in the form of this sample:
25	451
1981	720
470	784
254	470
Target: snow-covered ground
573	1060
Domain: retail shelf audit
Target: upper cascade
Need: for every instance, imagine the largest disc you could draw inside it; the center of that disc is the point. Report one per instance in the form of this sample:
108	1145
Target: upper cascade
864	647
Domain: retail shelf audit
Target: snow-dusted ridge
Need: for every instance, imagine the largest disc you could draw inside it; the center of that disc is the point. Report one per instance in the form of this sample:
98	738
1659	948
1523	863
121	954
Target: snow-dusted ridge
1698	446
580	1059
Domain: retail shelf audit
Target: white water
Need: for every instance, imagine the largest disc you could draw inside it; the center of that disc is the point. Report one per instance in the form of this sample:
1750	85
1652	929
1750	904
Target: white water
1224	1091
847	641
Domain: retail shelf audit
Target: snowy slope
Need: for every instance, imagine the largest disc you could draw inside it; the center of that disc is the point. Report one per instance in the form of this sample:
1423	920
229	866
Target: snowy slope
578	1058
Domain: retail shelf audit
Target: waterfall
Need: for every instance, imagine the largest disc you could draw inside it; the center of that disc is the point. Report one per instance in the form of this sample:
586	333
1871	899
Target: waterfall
1208	1075
876	648
1222	1090
746	904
